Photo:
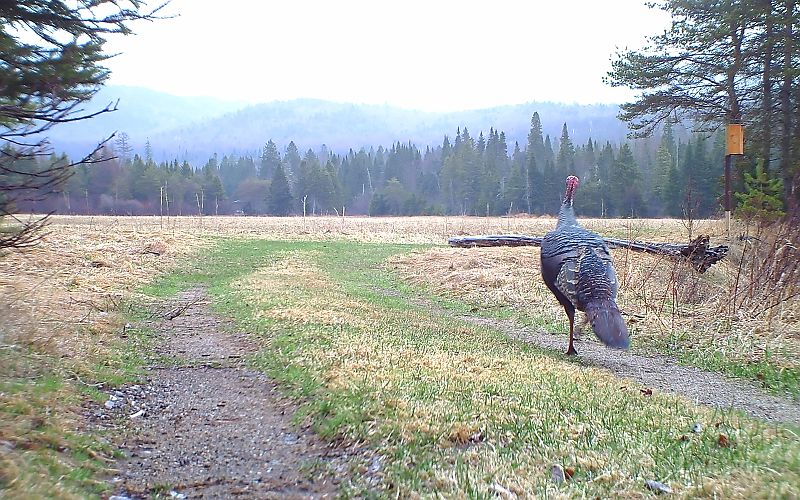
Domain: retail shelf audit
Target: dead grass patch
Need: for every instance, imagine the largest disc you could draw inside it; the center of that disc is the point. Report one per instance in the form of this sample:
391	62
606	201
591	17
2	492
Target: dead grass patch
668	305
418	230
59	296
299	294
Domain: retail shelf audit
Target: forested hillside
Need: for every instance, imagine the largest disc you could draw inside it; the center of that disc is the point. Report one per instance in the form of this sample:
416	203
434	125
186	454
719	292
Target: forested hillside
140	113
469	172
194	128
310	123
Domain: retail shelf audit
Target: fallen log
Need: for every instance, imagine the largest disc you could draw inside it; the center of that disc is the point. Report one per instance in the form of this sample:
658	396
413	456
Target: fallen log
697	252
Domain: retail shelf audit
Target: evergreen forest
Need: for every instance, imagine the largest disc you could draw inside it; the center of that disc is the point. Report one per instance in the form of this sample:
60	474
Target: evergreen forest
669	175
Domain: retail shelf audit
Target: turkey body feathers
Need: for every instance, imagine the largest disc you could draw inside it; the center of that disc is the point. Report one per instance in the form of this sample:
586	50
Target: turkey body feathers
596	289
577	268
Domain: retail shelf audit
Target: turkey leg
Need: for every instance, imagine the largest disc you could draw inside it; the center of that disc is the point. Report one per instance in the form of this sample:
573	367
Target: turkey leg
571	349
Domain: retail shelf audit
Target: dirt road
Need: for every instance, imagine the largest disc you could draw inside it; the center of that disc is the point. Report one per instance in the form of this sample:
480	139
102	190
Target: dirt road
210	428
665	374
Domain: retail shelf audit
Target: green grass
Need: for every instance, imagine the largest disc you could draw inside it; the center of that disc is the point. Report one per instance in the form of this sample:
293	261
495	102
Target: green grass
779	380
454	408
40	407
125	366
44	456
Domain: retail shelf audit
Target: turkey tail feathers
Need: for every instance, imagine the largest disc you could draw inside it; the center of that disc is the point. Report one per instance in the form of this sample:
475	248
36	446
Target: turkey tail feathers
607	323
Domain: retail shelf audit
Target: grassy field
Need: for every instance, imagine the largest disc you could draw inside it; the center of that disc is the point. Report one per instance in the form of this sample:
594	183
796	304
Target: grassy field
358	320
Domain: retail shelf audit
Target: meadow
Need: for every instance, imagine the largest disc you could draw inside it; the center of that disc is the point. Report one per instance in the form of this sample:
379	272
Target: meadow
361	321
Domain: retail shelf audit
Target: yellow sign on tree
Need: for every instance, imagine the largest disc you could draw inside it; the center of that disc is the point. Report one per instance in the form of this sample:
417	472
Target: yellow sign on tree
735	134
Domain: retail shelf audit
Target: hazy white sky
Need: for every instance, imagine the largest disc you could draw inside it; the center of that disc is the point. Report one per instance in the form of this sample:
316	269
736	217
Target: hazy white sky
431	55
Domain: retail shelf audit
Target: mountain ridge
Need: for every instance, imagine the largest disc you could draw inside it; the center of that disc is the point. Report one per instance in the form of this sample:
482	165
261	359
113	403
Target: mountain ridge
195	128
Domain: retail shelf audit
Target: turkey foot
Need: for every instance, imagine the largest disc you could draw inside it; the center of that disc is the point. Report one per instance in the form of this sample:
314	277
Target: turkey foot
571	349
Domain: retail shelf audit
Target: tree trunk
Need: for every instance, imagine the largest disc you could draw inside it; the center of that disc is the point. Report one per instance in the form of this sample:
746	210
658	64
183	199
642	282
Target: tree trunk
786	107
697	252
766	83
734	70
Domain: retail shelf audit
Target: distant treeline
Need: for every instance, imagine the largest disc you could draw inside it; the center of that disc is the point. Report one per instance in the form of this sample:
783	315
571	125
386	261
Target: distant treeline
464	175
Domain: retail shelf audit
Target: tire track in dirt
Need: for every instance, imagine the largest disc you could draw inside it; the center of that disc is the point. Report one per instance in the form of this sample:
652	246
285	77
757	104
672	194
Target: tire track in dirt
658	372
662	373
209	428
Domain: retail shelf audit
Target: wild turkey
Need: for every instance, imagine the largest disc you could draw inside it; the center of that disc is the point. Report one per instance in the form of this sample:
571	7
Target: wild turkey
577	268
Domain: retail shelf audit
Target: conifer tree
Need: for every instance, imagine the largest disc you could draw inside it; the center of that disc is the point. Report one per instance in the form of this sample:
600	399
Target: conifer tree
702	177
536	139
605	161
270	159
551	182
565	161
123	147
586	161
534	162
762	197
291	160
625	185
279	196
665	162
662	177
213	193
719	63
471	164
590	202
515	193
51	61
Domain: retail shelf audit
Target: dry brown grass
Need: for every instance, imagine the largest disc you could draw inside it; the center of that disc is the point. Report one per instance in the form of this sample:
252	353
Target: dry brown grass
59	296
667	304
85	265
